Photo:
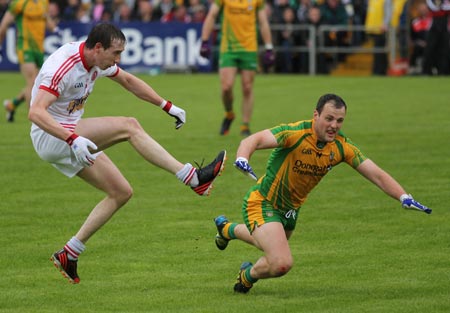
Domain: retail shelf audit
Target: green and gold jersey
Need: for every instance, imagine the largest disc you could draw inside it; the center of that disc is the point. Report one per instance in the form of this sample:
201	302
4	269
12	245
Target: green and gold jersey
300	161
30	17
239	25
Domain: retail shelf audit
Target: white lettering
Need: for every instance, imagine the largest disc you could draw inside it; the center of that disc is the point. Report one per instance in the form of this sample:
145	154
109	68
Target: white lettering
154	54
140	51
133	50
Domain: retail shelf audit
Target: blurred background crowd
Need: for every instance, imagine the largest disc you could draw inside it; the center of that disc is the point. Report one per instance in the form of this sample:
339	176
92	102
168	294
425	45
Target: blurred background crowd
421	28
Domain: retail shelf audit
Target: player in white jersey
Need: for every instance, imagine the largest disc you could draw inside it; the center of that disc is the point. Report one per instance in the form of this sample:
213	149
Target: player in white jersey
74	145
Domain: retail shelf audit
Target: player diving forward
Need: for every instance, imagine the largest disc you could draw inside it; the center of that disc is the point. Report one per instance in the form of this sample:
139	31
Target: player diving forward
304	152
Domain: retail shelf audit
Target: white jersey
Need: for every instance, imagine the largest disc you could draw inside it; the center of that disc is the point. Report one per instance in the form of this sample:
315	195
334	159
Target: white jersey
65	75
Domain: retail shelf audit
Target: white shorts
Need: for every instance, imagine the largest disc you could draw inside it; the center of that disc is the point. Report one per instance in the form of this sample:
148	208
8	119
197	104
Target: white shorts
55	151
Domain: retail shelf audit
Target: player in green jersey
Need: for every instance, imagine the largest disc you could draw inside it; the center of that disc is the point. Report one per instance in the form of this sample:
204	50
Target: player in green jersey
303	153
238	52
30	18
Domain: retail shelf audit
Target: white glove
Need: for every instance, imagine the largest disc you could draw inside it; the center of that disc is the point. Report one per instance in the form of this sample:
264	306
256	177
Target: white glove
174	111
80	147
242	165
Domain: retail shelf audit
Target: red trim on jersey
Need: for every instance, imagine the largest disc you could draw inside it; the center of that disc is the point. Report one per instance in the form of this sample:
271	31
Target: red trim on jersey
53	92
64	69
83	59
69	126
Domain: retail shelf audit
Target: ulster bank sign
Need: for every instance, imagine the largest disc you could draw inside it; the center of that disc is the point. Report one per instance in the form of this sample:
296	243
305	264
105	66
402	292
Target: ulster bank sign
150	46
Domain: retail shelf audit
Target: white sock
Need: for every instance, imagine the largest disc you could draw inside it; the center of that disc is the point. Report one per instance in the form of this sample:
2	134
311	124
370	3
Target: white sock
74	247
188	175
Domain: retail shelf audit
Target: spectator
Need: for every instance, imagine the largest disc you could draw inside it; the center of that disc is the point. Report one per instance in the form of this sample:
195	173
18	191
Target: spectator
287	38
83	14
359	17
53	12
144	11
163	7
314	19
277	12
437	50
333	13
97	10
123	13
302	10
378	19
418	32
197	11
70	11
177	14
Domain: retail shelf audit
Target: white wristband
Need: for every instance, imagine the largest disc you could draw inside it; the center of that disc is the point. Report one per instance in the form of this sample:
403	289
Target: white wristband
163	104
268	46
405	196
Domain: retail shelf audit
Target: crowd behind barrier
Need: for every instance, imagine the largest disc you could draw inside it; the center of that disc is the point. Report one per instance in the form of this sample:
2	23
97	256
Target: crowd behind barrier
310	36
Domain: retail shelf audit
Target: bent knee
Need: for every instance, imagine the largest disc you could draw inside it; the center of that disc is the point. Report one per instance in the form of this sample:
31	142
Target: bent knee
123	194
133	123
281	267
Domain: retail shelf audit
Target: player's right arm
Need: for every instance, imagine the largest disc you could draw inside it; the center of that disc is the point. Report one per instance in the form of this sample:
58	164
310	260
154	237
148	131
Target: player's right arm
210	20
263	139
39	115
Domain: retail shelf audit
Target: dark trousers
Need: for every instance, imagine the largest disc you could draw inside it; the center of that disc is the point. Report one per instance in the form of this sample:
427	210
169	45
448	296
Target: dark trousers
380	59
437	49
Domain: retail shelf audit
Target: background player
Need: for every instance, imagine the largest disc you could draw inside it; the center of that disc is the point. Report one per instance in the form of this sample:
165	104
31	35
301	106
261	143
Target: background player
74	145
304	152
31	22
238	51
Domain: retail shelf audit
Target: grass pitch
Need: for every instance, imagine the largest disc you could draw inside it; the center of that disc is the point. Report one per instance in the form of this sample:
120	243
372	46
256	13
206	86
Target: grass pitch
355	249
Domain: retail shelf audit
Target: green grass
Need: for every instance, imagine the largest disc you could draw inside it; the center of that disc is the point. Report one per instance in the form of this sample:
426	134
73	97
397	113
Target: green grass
355	249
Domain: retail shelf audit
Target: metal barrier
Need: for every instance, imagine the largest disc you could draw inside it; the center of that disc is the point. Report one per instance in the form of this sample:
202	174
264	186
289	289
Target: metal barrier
318	34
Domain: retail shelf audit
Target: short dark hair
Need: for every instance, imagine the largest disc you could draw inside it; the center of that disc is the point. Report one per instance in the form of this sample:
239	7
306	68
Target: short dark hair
337	102
104	33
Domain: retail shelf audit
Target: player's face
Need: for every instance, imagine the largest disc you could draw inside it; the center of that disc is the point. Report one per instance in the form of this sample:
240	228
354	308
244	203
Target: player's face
329	122
108	57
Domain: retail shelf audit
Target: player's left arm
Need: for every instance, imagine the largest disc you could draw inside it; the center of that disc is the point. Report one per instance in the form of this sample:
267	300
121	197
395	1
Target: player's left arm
7	20
389	185
381	178
145	92
138	87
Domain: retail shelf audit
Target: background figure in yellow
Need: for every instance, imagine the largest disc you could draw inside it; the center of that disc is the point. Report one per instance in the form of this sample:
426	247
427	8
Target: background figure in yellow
31	22
238	52
378	19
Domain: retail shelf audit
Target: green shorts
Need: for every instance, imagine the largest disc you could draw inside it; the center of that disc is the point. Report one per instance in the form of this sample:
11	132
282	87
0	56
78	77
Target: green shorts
30	56
257	211
241	60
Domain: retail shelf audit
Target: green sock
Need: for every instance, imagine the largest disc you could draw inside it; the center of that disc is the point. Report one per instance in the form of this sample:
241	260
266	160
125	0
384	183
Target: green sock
248	277
229	231
17	101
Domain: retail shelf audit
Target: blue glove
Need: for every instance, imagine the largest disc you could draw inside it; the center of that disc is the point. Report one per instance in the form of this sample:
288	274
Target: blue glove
409	203
242	165
205	49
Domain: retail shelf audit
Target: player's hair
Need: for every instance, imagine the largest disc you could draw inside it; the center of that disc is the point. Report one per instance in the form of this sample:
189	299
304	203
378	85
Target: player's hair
335	100
104	33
